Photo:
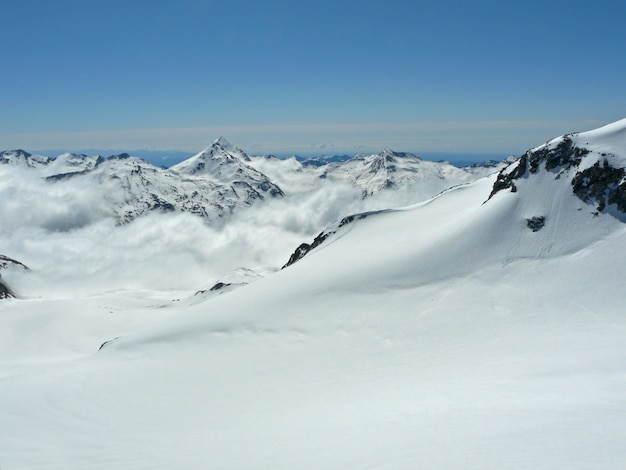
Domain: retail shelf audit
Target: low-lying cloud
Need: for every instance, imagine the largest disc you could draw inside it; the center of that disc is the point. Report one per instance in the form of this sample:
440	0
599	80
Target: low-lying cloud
74	246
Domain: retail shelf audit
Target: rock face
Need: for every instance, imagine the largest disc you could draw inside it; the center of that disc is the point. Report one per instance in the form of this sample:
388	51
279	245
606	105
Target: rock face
5	292
536	223
602	184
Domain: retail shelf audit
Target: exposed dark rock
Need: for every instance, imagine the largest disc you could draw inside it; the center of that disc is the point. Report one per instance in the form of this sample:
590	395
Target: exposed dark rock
107	342
562	156
5	292
160	204
565	155
505	177
219	286
65	176
305	248
536	223
603	184
6	262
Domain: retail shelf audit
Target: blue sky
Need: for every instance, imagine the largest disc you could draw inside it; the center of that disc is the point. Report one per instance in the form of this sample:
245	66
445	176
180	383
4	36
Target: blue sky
317	77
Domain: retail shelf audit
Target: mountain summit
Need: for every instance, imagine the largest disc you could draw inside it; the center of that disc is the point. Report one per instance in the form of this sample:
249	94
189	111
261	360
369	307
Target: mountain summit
214	160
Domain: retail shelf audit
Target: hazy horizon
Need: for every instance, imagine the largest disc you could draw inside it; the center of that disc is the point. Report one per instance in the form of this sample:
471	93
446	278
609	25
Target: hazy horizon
322	78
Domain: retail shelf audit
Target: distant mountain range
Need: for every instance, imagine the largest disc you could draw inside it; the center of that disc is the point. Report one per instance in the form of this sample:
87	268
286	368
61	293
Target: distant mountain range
222	177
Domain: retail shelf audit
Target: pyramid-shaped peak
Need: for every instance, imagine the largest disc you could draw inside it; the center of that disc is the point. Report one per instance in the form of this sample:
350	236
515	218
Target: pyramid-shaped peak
221	142
223	147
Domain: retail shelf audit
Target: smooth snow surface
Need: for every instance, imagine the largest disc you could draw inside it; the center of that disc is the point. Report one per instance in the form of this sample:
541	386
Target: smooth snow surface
443	335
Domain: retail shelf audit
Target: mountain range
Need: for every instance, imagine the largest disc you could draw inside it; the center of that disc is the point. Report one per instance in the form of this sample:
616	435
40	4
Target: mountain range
479	327
222	177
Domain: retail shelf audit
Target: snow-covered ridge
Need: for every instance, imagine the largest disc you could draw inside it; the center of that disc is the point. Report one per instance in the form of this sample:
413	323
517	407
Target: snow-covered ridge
592	163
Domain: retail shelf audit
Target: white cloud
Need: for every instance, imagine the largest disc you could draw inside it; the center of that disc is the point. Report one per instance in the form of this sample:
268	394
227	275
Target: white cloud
74	246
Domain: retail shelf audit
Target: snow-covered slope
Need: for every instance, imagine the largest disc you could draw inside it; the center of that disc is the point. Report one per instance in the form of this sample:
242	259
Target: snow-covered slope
449	334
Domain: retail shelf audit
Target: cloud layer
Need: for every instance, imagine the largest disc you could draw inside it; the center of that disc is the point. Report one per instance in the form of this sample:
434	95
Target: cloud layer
75	247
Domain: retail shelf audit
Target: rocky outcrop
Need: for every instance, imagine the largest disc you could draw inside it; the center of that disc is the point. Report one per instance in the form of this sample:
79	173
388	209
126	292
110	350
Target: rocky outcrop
305	248
603	183
5	292
536	223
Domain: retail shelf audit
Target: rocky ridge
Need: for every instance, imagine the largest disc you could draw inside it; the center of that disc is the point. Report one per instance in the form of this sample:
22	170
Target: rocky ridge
596	175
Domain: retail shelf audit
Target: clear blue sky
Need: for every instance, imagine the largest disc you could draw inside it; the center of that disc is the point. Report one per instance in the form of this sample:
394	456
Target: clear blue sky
308	77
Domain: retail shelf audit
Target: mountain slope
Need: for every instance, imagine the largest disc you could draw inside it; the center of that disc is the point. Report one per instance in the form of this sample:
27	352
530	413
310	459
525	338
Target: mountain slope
449	334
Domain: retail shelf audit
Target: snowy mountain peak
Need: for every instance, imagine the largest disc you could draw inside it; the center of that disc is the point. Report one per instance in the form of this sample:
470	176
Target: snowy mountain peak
221	148
222	143
218	154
